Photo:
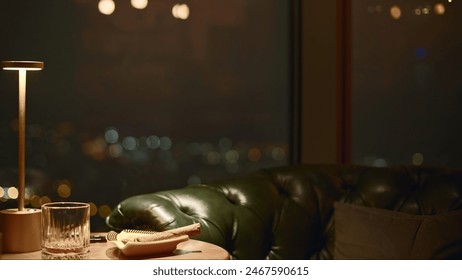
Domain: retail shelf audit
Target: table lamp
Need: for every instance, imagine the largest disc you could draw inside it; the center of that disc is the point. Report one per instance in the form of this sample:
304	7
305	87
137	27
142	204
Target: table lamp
21	226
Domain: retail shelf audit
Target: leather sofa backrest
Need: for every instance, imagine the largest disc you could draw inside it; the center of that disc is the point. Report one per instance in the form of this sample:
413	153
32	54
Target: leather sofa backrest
286	212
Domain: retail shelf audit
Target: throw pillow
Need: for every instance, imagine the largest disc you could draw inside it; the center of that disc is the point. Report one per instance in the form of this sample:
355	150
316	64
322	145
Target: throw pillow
372	233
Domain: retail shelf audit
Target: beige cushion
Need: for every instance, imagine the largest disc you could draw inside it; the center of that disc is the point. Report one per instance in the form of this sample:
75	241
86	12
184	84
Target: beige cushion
372	233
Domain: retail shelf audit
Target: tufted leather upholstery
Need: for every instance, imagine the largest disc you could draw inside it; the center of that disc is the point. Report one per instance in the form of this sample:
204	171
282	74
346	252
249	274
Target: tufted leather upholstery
286	212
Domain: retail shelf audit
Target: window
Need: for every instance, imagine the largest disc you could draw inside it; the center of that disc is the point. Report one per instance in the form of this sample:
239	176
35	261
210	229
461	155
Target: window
406	82
139	99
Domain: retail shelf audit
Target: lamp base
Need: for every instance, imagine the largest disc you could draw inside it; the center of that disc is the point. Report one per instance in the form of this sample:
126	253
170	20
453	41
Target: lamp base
21	230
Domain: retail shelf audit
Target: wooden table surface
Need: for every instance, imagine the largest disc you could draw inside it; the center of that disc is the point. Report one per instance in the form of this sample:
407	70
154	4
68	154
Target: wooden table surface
187	250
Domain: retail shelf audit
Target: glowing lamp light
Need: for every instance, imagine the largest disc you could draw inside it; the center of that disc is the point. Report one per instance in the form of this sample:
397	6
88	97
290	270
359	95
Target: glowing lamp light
22	65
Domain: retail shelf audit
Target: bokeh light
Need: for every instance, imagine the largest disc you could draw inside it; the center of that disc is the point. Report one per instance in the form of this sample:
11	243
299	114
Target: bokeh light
232	156
95	148
35	201
139	4
28	192
130	143
93	209
395	12
181	11
115	150
106	7
111	135
44	199
13	192
440	9
417	159
165	143
104	211
278	154
64	190
426	10
254	154
153	142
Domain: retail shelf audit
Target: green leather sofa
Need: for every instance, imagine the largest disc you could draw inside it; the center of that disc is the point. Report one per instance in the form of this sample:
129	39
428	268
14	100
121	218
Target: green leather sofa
315	212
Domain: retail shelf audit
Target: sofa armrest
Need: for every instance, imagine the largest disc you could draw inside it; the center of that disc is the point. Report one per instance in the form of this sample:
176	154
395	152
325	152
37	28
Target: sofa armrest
175	208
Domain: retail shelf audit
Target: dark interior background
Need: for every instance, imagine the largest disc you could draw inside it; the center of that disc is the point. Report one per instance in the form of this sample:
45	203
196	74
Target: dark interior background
139	101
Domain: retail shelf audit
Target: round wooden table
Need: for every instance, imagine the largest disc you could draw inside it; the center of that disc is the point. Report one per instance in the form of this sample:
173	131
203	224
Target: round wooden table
187	250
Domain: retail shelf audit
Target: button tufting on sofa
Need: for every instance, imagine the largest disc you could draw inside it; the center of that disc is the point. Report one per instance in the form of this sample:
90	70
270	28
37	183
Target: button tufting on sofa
288	212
